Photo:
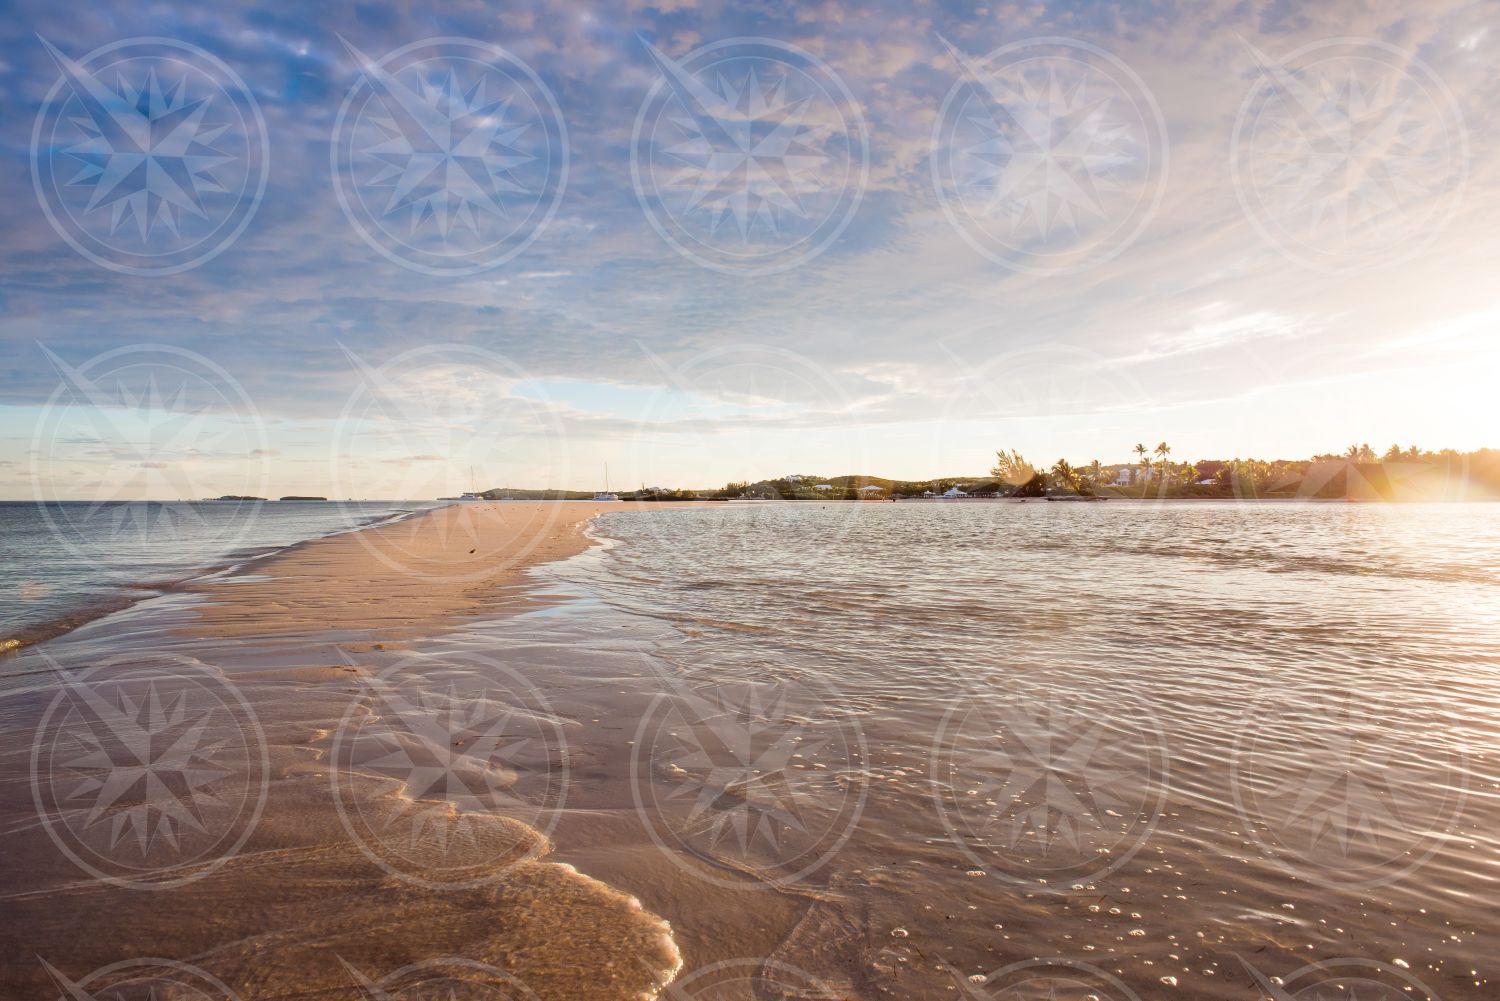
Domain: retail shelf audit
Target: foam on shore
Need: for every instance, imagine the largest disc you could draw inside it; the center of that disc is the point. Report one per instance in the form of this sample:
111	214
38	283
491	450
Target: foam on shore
303	900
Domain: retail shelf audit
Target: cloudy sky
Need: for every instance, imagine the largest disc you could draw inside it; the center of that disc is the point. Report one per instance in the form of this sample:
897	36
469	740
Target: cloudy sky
361	249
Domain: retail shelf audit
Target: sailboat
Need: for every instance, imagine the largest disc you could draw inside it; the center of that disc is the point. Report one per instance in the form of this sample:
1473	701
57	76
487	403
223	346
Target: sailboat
472	494
605	495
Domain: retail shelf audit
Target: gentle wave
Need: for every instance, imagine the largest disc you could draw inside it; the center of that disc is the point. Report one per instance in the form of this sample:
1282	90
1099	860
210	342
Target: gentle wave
1271	728
66	564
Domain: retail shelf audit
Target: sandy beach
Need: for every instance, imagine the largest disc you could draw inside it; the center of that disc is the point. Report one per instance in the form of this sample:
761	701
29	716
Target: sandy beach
259	883
401	579
757	749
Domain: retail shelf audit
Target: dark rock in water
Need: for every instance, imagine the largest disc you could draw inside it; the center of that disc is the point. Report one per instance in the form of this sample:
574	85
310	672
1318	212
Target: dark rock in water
294	497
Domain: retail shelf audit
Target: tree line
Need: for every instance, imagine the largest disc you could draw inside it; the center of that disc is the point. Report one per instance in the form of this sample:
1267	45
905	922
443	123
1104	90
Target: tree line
1447	473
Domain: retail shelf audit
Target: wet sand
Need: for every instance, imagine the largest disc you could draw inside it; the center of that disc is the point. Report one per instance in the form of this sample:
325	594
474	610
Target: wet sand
400	579
741	741
244	859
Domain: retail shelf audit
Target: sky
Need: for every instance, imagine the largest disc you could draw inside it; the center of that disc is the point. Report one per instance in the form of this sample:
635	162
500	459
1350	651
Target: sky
403	249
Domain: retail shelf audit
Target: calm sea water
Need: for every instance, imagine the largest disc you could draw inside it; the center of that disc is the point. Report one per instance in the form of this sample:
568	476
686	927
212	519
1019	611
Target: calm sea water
1126	751
65	562
1191	745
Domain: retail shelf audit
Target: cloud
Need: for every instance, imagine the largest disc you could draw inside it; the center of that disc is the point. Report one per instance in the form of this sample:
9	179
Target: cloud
896	314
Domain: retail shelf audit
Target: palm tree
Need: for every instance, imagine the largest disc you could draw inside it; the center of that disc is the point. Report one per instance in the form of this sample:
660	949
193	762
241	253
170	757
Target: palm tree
1096	472
1065	475
1162	451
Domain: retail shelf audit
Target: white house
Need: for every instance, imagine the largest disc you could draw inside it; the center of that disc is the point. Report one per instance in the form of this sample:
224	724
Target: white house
870	488
823	486
954	492
792	478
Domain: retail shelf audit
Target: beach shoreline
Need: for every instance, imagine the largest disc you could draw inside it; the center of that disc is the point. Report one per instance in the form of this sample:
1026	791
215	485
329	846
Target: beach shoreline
597	753
402	579
131	589
301	649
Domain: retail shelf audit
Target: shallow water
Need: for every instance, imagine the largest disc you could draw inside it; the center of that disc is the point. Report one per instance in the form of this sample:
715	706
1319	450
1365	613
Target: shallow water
1167	741
1119	750
65	562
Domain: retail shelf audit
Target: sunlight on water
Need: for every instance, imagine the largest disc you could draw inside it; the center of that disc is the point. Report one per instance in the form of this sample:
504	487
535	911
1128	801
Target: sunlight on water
1157	736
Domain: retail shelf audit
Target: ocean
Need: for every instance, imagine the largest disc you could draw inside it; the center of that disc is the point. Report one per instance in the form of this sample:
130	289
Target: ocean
65	562
1124	750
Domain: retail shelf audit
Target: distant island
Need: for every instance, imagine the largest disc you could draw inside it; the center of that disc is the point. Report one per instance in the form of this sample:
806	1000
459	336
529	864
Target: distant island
248	498
1358	473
